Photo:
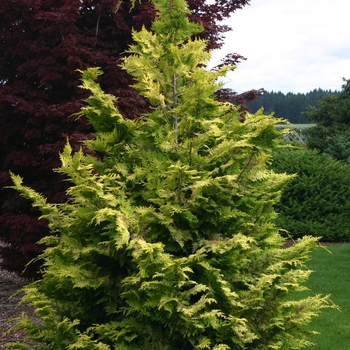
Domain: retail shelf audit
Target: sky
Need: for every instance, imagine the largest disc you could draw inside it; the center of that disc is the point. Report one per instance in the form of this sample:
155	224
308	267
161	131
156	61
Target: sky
290	46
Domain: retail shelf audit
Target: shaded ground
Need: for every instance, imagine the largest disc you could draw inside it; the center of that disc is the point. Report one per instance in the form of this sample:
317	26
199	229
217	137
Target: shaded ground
9	308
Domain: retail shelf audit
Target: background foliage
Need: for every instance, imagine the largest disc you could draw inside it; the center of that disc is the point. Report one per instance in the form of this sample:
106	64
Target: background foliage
317	201
331	135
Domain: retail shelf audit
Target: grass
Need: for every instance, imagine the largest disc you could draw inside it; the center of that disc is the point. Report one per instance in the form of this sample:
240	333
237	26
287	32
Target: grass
302	126
331	276
296	126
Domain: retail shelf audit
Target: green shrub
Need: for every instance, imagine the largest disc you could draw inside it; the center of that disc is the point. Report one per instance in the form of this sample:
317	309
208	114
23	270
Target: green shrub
338	146
317	201
168	239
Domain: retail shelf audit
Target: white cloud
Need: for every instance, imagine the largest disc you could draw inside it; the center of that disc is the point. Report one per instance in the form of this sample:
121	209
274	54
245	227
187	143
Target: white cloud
293	46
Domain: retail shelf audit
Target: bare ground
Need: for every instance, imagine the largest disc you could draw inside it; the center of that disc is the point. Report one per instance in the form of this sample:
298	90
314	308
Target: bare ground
10	307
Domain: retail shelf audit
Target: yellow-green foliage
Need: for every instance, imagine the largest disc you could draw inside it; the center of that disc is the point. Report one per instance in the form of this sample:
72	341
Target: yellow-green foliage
168	239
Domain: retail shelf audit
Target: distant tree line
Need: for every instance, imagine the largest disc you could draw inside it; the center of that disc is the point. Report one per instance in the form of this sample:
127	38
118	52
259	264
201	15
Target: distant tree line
291	105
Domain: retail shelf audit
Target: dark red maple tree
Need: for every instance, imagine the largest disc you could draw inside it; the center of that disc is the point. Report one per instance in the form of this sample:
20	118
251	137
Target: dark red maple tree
42	44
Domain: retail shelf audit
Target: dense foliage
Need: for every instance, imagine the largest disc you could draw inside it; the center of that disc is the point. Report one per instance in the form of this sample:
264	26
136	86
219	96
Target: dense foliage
331	135
167	240
317	201
291	105
42	44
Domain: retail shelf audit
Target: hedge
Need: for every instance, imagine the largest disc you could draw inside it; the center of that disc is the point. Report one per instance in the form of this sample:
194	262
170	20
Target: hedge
317	201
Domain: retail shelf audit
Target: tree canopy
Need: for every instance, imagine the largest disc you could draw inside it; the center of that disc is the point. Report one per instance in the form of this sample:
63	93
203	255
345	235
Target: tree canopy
331	135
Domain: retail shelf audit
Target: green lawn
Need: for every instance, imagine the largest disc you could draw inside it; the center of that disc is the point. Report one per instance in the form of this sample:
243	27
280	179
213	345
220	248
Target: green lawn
302	126
332	276
296	126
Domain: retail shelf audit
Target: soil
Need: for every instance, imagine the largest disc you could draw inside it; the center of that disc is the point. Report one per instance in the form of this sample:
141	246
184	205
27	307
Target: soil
10	307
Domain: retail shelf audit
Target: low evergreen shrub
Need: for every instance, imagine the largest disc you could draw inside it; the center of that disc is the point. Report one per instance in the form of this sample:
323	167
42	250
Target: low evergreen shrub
317	201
